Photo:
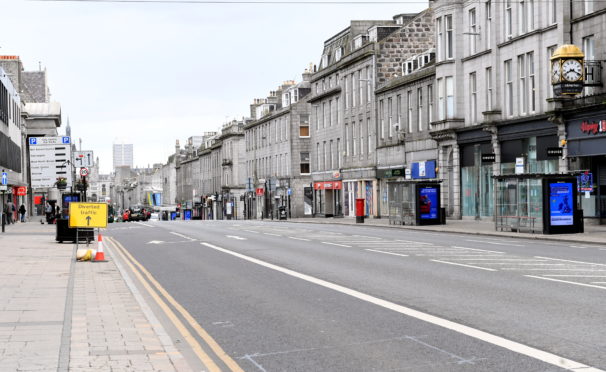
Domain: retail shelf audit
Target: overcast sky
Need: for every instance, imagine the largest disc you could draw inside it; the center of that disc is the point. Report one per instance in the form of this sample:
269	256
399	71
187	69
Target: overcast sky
150	74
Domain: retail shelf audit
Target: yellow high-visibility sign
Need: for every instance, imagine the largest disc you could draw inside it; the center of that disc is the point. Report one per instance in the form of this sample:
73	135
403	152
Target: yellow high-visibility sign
87	214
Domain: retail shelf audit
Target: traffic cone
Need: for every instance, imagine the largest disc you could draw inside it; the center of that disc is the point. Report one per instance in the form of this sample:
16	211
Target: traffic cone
100	256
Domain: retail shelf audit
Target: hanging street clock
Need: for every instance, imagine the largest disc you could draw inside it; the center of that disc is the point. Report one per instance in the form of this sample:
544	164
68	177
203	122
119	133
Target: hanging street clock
567	70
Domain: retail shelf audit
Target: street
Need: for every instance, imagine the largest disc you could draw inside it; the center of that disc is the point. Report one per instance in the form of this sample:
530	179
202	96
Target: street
278	296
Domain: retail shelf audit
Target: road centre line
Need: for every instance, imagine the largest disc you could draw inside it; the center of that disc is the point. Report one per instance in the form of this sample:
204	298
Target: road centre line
338	245
496	243
270	234
476	249
566	281
295	238
214	346
517	347
504	259
579	262
562	269
391	253
182	236
464	265
251	231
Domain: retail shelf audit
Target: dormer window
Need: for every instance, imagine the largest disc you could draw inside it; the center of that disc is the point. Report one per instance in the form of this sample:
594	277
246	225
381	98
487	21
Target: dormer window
338	54
372	34
410	65
358	41
324	63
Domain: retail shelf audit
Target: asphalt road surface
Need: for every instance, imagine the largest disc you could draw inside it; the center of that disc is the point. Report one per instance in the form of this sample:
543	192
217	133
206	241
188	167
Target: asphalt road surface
282	296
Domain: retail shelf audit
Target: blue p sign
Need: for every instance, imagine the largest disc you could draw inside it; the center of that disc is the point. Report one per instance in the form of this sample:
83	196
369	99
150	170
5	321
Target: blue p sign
33	141
65	140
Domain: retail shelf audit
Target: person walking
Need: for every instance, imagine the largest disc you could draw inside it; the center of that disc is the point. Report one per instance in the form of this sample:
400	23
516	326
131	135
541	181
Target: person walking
10	207
22	211
48	210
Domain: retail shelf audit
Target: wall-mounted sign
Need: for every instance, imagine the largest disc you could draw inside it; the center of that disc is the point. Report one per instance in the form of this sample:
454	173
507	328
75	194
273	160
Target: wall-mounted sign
336	185
555	151
391	173
519	165
424	169
593	127
488	158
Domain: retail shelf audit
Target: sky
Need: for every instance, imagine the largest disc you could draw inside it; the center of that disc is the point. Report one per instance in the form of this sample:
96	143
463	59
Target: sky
153	73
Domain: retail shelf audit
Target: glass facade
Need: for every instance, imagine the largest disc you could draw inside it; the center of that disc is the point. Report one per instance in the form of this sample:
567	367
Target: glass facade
477	191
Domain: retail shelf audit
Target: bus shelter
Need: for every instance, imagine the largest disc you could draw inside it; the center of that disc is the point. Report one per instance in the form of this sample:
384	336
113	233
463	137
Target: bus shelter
414	202
537	203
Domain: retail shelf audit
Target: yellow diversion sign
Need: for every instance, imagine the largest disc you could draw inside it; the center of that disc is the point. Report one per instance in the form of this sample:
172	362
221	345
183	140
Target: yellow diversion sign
87	214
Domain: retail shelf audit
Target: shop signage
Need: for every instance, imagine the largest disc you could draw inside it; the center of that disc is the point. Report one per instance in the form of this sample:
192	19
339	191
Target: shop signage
333	185
260	191
488	158
585	182
21	190
519	165
391	173
424	169
593	127
555	151
336	175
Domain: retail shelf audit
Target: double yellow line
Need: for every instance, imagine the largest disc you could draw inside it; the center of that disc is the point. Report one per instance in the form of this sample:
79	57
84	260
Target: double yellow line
156	291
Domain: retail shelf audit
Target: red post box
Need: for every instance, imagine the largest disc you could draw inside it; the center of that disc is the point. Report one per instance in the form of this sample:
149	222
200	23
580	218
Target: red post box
359	210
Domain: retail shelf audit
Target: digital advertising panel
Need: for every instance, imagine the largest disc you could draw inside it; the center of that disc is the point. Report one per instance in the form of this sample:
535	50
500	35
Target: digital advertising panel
561	204
428	202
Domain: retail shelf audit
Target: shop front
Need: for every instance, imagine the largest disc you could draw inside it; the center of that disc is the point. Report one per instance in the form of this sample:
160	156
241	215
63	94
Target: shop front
587	157
327	198
358	189
386	176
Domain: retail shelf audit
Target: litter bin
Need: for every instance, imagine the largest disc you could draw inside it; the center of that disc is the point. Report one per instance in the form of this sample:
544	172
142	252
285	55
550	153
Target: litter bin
359	210
282	212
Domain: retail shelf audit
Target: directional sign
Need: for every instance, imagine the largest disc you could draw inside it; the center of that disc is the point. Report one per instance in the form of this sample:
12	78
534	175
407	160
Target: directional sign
48	160
87	214
83	159
4	178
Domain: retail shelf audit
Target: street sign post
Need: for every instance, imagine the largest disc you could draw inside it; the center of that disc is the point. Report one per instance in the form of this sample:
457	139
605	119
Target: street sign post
49	159
83	159
87	214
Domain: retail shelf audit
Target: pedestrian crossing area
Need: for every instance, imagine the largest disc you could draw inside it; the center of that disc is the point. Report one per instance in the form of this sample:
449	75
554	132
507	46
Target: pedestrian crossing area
489	258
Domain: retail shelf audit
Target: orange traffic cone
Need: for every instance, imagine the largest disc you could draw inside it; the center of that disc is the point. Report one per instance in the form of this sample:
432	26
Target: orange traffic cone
100	256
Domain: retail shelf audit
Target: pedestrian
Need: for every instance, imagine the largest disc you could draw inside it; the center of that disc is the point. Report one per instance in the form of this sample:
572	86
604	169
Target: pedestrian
22	211
10	212
48	210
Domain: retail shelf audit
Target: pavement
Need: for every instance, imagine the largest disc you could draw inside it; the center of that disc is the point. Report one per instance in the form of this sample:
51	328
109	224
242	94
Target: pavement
594	234
57	314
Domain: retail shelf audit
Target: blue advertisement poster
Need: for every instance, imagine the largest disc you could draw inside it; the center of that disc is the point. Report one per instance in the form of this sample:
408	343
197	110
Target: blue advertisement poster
428	200
561	204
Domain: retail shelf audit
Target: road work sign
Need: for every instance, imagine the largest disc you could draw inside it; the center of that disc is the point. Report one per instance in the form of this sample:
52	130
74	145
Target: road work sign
87	214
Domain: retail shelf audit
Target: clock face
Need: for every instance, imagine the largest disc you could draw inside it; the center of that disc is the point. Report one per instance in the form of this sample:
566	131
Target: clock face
555	71
572	70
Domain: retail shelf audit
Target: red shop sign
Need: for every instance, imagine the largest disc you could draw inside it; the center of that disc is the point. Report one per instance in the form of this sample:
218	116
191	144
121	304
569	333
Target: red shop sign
260	191
593	127
332	185
21	190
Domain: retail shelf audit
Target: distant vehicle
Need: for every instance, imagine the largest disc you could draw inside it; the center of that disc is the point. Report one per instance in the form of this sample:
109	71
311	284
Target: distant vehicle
137	214
154	217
